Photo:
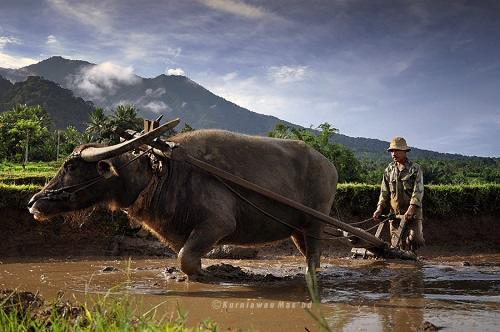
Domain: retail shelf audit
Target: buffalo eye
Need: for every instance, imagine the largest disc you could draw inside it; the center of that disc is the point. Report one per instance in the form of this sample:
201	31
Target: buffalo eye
69	166
106	169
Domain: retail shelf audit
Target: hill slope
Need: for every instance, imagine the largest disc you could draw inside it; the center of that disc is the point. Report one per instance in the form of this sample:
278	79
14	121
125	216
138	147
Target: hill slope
64	108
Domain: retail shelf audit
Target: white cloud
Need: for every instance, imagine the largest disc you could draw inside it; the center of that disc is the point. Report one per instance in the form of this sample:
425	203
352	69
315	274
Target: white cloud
230	76
8	61
142	46
105	78
249	92
175	72
156	106
4	40
287	74
92	14
155	93
236	7
51	39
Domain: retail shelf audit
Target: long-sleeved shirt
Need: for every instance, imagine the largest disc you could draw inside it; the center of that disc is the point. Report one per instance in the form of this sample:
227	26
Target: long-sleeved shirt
401	187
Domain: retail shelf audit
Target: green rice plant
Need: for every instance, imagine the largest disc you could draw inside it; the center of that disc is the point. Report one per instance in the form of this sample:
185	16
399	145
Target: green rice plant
16	196
26	312
316	313
32	173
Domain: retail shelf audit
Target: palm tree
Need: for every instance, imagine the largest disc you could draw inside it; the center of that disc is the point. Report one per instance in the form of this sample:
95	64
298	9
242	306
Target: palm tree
125	116
98	125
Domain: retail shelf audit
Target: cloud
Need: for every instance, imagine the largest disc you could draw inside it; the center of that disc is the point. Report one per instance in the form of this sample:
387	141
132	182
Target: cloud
249	92
144	45
105	78
287	74
230	76
156	106
155	93
4	40
236	7
175	72
92	14
51	39
8	61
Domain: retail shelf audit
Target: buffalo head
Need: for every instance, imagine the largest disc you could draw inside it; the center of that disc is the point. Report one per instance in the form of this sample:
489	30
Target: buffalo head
94	174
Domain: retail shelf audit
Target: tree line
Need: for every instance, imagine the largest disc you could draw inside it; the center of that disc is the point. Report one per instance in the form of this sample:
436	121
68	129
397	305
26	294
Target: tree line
28	134
370	170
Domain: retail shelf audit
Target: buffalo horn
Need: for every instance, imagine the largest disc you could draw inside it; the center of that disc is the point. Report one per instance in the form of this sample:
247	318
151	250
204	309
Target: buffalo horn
92	154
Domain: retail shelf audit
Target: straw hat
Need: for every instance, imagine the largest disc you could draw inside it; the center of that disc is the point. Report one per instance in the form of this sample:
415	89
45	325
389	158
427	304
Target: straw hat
398	143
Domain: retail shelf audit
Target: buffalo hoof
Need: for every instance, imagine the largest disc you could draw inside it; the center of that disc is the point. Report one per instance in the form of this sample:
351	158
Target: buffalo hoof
200	276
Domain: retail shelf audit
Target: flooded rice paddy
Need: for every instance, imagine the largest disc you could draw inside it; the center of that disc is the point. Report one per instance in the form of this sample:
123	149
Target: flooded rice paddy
454	293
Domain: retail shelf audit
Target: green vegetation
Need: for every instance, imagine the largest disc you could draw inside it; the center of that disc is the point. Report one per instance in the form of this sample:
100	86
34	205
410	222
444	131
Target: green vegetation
64	108
36	173
27	134
348	167
440	201
460	171
100	126
23	311
457	171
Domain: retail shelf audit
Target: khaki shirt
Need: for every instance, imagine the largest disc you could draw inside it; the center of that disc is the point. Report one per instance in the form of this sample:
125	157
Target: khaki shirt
402	187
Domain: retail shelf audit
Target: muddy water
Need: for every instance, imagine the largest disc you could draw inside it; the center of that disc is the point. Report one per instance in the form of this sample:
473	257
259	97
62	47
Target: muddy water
355	295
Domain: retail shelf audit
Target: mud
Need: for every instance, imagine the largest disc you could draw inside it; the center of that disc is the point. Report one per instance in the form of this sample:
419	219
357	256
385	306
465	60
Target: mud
454	286
108	234
437	292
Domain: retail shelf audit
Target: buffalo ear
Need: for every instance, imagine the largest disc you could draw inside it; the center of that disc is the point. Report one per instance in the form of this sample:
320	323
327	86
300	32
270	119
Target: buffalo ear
106	169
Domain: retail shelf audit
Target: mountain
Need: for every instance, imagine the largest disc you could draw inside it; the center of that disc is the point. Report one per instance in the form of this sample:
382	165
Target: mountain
56	69
175	96
64	108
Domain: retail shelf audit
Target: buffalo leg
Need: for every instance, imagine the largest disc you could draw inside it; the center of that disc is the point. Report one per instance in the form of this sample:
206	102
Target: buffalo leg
300	242
201	241
312	254
309	246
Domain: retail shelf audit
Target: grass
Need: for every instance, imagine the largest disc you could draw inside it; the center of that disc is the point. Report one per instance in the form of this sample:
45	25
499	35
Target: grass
33	172
27	312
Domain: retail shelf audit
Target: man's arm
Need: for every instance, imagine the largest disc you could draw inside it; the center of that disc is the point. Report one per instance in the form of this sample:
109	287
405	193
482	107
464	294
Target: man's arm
418	189
417	195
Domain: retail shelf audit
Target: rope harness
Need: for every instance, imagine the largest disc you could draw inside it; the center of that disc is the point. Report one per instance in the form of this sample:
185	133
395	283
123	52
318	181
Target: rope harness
66	193
333	238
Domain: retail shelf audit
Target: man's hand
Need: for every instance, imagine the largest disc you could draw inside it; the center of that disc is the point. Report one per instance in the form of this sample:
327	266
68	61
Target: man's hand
410	213
377	213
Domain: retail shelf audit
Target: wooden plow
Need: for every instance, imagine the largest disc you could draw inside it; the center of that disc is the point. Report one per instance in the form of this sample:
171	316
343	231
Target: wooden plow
370	245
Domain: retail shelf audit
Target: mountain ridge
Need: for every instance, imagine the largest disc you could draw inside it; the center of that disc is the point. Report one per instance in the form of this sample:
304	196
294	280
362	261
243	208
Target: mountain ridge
179	96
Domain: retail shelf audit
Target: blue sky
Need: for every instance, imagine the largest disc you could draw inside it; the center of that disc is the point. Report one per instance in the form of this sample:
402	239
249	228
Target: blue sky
426	70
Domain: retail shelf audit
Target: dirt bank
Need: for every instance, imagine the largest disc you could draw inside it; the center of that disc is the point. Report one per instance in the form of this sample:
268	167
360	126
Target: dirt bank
110	235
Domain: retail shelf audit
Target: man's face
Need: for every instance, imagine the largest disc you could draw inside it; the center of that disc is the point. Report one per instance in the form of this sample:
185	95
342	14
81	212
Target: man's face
398	156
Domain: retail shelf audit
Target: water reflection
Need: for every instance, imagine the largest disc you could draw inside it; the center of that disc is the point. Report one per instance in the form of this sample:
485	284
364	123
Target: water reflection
378	296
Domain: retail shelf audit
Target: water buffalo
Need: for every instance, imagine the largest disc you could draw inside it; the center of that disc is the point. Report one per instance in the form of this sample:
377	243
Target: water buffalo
190	210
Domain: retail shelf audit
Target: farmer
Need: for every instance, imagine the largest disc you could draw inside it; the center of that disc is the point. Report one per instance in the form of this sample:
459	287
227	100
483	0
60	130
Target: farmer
402	190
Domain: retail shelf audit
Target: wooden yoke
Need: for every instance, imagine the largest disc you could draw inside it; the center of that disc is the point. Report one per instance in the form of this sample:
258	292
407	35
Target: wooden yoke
150	125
